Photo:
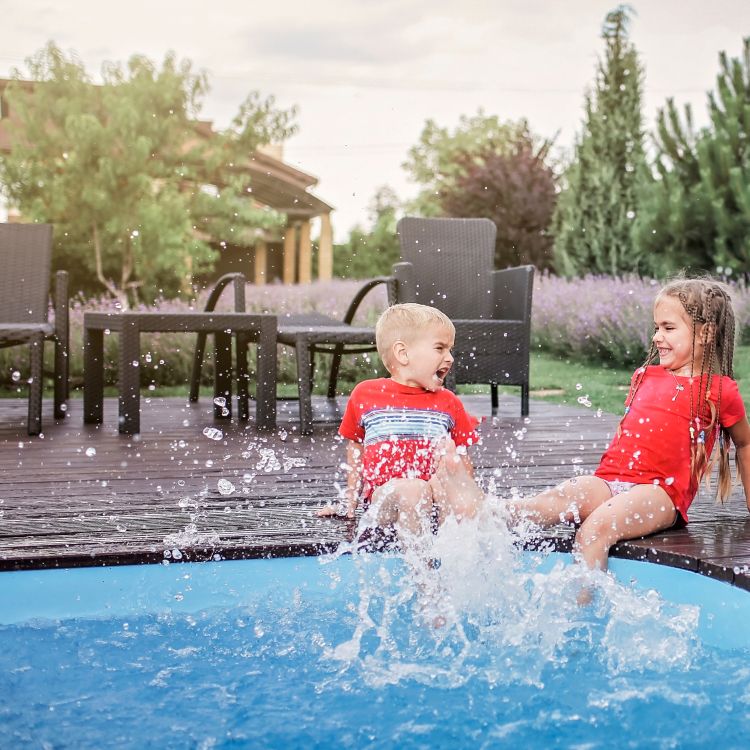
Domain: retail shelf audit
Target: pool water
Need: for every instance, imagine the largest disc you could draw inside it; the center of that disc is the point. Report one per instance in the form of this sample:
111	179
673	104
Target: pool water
348	652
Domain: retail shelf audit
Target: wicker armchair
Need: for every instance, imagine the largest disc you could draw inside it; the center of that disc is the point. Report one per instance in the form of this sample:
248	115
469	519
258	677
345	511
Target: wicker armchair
25	259
448	263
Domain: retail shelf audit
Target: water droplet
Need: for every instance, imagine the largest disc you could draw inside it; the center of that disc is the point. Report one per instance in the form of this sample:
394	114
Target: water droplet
90	452
212	433
225	487
15	376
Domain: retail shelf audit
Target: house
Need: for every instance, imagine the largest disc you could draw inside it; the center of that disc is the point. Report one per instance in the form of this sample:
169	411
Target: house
284	255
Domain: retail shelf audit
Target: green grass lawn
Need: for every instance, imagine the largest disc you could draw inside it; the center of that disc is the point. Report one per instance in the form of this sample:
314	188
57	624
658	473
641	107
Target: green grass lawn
552	378
563	381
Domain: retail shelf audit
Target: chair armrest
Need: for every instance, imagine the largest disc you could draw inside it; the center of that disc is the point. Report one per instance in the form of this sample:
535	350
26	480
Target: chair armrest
238	281
362	293
404	286
62	306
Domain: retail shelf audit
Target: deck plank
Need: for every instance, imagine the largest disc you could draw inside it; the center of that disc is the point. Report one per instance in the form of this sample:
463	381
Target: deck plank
86	495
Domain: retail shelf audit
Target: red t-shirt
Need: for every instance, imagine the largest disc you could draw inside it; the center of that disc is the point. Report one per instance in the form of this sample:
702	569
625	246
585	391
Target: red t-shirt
398	425
654	444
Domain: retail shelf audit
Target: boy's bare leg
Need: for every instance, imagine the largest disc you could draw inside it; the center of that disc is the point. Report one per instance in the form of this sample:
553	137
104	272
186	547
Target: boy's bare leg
406	504
642	510
570	502
454	488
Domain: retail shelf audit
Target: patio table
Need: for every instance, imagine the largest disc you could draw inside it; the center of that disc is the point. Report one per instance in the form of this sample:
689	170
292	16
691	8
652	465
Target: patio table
129	325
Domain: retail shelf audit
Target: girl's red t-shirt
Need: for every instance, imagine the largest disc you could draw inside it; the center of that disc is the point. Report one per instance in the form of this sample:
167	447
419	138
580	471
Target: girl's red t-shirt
654	444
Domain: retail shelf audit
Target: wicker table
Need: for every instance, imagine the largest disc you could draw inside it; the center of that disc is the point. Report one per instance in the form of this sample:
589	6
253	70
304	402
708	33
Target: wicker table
129	325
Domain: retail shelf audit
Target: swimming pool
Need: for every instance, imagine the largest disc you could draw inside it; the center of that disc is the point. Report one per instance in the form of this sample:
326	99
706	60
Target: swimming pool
342	652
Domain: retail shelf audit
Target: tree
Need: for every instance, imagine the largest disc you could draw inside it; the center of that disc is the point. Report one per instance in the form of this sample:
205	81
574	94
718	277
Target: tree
517	191
593	222
441	156
697	213
136	187
371	253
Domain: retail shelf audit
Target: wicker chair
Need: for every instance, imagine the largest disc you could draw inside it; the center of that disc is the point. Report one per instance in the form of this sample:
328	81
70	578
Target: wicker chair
448	263
25	259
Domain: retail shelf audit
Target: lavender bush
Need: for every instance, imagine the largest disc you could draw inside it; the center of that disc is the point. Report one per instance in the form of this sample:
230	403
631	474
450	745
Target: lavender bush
599	319
603	319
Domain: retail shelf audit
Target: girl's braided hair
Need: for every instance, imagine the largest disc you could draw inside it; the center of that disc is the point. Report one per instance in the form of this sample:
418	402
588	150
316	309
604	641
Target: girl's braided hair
708	304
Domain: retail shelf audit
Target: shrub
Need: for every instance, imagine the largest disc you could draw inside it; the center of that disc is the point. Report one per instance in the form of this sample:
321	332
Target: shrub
599	319
604	319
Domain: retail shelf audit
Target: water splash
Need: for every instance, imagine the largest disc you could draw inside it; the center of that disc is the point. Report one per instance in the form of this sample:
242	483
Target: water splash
467	603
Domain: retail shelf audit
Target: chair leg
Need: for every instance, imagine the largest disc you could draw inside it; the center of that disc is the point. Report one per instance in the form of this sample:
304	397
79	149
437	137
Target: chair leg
36	356
61	379
195	375
243	407
525	400
493	396
267	375
334	374
93	375
304	378
223	374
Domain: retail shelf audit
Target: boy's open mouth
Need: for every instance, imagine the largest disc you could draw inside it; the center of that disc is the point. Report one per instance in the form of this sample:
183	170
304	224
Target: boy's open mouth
442	372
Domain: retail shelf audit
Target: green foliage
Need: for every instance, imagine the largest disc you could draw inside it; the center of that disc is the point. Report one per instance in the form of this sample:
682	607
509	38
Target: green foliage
371	253
440	156
594	219
516	190
120	169
697	214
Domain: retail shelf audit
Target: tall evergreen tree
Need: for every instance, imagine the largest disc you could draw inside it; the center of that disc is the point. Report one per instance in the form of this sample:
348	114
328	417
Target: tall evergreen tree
697	214
594	218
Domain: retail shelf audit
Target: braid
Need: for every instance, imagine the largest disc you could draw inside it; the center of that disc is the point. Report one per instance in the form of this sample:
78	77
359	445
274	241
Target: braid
708	303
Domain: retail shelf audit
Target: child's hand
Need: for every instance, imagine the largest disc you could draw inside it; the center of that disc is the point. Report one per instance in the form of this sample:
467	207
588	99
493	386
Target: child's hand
344	509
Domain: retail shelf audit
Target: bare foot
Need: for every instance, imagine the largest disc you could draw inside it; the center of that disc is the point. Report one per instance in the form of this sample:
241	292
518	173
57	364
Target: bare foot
585	597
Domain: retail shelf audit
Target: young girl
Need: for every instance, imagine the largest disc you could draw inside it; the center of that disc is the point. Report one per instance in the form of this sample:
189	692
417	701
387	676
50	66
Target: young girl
674	413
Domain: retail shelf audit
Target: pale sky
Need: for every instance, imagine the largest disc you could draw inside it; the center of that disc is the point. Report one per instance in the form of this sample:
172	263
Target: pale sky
366	76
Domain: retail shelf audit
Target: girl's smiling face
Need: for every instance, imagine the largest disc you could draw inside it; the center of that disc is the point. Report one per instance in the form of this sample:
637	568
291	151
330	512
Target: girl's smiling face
673	337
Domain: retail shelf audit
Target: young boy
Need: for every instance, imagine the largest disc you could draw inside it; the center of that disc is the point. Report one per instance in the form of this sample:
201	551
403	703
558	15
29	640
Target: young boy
403	430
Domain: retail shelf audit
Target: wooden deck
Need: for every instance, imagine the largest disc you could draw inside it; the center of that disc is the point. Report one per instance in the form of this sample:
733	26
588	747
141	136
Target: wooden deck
86	495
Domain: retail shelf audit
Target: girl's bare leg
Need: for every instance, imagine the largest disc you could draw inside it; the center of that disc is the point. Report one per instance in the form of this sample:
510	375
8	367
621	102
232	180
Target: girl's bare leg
642	510
570	502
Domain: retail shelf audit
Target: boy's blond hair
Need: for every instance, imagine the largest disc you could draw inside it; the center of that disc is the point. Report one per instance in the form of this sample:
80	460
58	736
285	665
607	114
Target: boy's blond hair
405	322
